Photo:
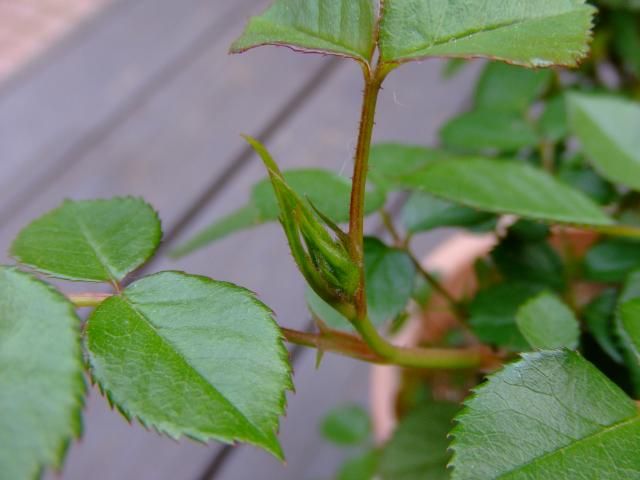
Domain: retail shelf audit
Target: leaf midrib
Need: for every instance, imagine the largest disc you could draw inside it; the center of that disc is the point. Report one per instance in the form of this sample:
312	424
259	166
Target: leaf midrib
95	246
561	450
180	355
471	33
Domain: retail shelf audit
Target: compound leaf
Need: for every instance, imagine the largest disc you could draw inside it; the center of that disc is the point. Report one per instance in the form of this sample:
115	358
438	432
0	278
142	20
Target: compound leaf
90	240
41	381
550	415
191	356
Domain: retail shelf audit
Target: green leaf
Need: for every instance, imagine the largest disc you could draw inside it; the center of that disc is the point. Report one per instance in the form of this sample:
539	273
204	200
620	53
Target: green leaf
347	425
41	381
611	260
551	415
360	468
553	123
241	219
507	187
630	322
627	4
389	279
608	130
533	33
487	131
599	316
588	182
492	314
338	27
510	88
328	192
90	240
418	448
423	212
547	323
389	162
630	291
191	356
529	261
626	39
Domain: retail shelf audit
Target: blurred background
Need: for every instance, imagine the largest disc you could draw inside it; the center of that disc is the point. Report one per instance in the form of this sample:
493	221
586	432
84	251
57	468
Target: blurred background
138	97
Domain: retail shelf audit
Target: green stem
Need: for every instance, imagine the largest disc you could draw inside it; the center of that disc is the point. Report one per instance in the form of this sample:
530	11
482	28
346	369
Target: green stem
354	347
628	231
88	299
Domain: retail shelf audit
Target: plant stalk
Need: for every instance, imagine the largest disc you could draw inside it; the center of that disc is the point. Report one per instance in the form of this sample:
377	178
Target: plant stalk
428	358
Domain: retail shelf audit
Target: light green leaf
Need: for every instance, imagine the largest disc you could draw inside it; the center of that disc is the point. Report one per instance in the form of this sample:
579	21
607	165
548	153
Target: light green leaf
608	130
338	27
418	448
390	161
630	322
510	88
191	356
547	323
327	191
41	381
487	131
424	212
551	415
90	240
492	314
389	276
611	260
534	33
241	219
507	187
347	425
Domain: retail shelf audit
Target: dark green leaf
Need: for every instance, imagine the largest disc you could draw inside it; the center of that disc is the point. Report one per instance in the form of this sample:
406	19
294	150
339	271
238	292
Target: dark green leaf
553	122
626	39
487	131
507	187
588	182
608	130
389	280
629	351
347	425
492	314
535	33
423	212
192	356
599	316
360	468
529	261
338	27
41	381
630	322
418	448
552	415
510	88
91	240
612	260
547	323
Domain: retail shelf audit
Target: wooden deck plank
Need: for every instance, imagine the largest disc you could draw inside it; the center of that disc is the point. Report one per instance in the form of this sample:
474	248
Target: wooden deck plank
50	118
